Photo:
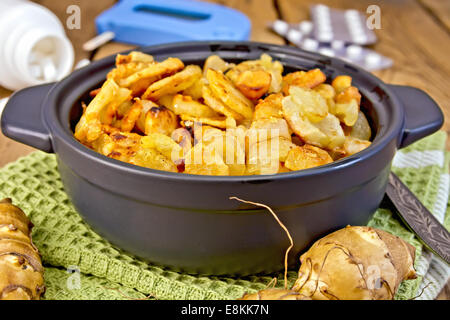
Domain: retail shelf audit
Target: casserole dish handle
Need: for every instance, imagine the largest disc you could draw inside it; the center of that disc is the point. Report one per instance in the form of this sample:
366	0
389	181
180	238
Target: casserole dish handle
422	114
22	118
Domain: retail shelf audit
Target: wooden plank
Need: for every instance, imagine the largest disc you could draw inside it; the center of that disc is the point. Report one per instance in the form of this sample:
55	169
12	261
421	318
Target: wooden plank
410	36
439	9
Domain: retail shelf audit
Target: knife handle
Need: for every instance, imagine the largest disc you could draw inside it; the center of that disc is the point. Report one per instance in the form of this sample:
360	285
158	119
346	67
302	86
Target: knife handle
419	219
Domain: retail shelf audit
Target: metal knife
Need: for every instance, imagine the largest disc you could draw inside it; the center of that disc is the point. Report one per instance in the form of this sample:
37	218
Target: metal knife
417	217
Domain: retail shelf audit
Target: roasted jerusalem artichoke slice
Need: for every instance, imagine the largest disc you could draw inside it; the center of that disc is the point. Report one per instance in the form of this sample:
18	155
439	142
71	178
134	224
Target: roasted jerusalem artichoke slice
308	79
305	157
143	97
254	78
353	145
21	275
102	107
156	119
151	158
173	84
270	107
223	89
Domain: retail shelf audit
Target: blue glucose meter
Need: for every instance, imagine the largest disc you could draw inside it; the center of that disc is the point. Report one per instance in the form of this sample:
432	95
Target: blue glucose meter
149	22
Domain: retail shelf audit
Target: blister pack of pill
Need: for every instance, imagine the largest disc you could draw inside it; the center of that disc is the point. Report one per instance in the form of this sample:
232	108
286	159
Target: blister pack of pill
348	26
303	35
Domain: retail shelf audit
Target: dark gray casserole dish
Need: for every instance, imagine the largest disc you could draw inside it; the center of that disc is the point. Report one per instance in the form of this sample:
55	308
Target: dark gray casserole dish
187	222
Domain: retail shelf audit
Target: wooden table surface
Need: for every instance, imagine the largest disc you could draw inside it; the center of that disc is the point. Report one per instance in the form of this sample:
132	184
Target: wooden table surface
414	33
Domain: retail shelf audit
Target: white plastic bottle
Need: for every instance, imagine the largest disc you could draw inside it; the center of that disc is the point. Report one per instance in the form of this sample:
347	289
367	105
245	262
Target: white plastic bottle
34	48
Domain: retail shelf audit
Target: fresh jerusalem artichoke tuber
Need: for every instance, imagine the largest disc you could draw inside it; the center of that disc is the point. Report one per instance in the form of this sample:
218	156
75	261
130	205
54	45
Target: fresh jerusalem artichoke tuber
21	271
355	263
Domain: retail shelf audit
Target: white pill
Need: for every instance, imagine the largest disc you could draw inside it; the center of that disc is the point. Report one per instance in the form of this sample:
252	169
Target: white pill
280	27
48	69
337	44
372	59
323	16
294	36
352	14
360	39
305	27
36	71
322	8
325	36
354	51
82	63
324	27
310	44
327	51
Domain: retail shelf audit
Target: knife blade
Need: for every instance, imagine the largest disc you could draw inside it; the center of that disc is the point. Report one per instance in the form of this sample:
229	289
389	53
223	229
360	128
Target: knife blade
418	218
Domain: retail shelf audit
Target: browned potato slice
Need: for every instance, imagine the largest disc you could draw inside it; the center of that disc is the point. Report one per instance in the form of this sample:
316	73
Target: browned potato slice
218	122
146	106
270	107
153	72
305	157
158	120
118	145
331	126
89	128
353	145
108	114
205	160
216	104
340	83
348	94
129	120
185	105
104	144
123	108
164	145
166	101
301	125
285	146
183	137
328	93
311	104
216	63
196	90
234	152
347	112
273	68
325	90
361	129
264	129
253	83
152	159
223	88
229	145
134	56
127	65
308	79
173	84
263	157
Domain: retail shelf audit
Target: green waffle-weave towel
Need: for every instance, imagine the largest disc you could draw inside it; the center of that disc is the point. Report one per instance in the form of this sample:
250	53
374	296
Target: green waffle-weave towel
79	264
